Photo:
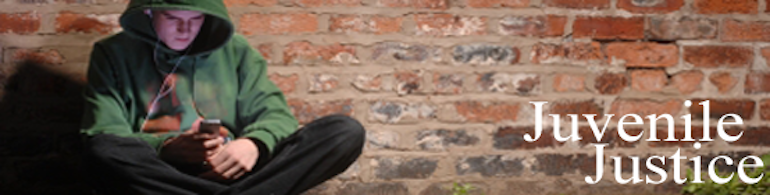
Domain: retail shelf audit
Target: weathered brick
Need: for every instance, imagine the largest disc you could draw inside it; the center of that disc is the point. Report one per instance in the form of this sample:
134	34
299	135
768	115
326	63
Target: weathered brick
568	82
610	137
496	3
527	187
306	112
19	23
560	164
644	107
448	83
449	25
490	166
648	80
322	83
647	55
277	24
485	54
718	56
287	83
266	50
374	189
665	28
303	52
383	140
723	80
474	111
446	188
441	139
408	82
756	83
608	27
726	6
365	24
404	52
745	31
764	109
766	54
38	56
578	4
567	53
368	83
563	108
611	83
696	133
319	3
400	168
261	3
754	136
720	107
687	82
539	26
67	22
521	84
420	4
395	112
650	6
512	138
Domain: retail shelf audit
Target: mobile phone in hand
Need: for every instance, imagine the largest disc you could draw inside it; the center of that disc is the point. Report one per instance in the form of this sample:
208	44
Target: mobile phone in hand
210	126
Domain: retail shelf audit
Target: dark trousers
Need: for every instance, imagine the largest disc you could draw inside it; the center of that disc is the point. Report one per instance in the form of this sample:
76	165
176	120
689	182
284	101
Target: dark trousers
312	155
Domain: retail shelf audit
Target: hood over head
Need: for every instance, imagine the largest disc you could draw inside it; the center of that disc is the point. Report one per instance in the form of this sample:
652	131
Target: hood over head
217	29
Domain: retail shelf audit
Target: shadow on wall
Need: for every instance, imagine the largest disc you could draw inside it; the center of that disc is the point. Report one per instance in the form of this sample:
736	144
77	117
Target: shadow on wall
40	148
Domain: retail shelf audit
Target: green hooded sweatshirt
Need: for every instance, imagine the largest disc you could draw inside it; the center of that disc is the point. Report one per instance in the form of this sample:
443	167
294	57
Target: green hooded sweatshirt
219	76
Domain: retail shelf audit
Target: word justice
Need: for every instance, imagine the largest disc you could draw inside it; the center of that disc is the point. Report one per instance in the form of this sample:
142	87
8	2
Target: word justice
634	119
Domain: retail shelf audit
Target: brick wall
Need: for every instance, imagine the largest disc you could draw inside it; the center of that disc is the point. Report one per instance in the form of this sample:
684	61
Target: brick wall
442	86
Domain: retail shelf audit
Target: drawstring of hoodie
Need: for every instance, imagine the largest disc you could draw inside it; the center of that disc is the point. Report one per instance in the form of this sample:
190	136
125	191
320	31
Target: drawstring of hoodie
165	87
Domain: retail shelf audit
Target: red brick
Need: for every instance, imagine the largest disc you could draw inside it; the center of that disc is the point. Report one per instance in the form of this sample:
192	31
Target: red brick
726	6
688	81
746	31
365	24
754	136
303	52
766	54
67	22
648	80
49	57
448	83
611	83
19	23
570	53
665	28
368	83
650	6
266	50
647	55
323	83
276	24
563	108
510	138
497	3
474	111
718	56
723	80
287	83
306	112
408	82
644	107
568	82
449	25
757	82
720	107
421	4
261	3
764	109
541	26
578	4
609	28
319	3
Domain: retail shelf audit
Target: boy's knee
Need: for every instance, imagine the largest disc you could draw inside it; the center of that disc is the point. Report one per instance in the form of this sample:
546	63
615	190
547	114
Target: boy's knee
340	127
104	148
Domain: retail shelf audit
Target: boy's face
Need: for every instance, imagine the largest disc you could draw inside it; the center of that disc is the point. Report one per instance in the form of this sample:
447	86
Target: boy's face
177	28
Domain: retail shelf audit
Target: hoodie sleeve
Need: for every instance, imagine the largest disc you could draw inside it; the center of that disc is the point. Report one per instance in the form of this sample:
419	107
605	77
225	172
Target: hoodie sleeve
105	109
261	105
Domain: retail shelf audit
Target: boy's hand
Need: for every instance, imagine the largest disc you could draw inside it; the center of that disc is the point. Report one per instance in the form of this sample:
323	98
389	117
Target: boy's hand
190	147
232	161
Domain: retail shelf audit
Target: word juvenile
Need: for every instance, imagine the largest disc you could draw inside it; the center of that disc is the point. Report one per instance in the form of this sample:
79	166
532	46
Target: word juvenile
634	119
